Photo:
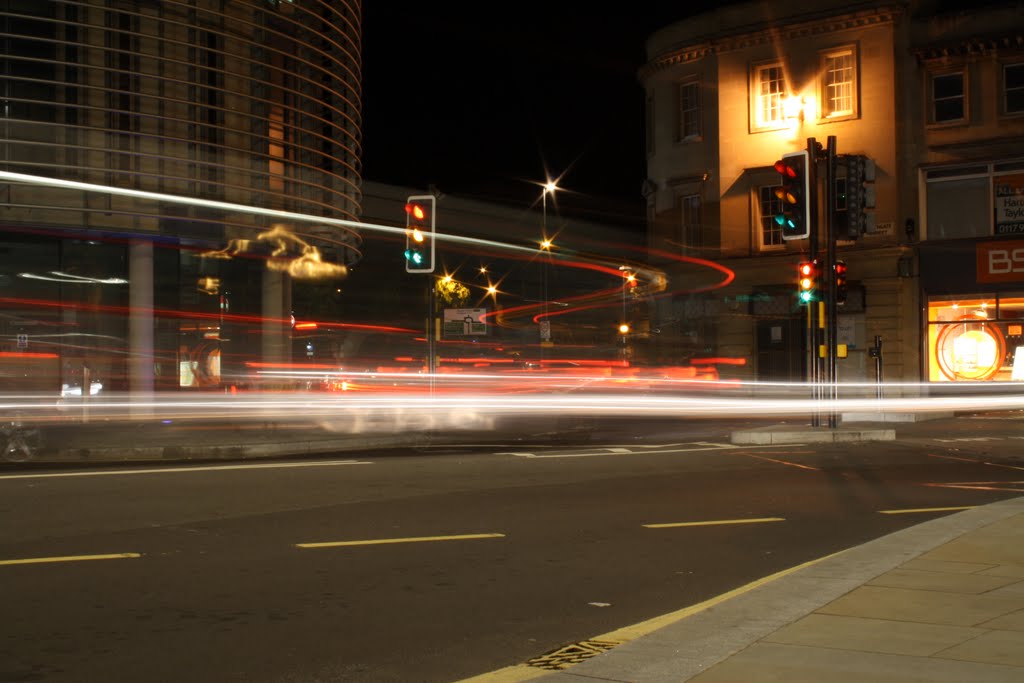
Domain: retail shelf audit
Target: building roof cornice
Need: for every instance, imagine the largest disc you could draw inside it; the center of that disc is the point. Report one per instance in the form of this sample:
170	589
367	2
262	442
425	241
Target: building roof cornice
765	34
970	47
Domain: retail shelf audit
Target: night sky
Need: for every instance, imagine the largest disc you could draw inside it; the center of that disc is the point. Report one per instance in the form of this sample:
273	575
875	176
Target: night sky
484	99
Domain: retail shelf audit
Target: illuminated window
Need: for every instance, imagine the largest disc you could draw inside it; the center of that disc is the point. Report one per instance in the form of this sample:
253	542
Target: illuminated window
975	338
1013	89
769	205
689	111
769	93
948	101
839	83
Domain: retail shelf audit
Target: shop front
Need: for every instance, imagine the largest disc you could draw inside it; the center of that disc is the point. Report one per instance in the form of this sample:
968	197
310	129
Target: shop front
973	294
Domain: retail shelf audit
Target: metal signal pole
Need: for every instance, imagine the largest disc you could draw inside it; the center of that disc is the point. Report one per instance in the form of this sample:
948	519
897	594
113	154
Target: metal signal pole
813	362
831	309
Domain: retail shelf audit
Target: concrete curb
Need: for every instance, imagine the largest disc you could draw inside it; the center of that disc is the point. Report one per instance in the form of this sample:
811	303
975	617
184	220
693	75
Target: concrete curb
682	650
782	434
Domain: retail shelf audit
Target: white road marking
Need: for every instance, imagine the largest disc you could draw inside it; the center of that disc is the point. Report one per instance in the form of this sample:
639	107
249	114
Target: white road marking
175	470
658	449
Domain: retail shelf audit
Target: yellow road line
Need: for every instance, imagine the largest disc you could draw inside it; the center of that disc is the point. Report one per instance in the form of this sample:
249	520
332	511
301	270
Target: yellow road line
910	510
714	522
413	539
71	558
525	672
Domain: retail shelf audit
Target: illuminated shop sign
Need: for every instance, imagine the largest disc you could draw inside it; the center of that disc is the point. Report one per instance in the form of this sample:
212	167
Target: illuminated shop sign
1009	204
1000	261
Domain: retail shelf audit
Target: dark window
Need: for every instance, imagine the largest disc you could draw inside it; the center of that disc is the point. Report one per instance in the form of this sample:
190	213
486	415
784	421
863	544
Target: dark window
948	97
689	111
1013	88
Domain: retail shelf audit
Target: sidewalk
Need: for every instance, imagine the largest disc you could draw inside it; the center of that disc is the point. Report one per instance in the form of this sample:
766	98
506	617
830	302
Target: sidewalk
939	602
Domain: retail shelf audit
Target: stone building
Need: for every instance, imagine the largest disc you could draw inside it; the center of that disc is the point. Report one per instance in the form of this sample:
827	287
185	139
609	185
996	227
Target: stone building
930	92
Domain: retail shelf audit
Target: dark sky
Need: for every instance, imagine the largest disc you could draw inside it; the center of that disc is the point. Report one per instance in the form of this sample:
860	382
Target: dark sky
482	99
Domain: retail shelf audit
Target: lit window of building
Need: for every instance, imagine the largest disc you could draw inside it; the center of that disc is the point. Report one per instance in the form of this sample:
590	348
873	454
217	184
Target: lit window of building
770	91
839	83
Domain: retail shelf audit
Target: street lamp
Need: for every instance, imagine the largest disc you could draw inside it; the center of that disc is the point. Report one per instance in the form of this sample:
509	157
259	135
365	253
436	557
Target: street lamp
628	280
549	187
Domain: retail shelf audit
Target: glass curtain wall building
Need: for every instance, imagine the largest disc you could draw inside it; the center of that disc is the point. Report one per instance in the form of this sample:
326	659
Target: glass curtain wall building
118	280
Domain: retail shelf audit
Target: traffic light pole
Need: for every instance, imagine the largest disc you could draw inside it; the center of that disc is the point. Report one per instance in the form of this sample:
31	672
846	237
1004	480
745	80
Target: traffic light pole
431	327
813	363
831	311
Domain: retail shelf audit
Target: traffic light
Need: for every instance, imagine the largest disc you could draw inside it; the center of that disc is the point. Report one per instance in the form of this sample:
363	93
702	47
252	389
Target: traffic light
840	272
794	217
419	233
807	282
855	196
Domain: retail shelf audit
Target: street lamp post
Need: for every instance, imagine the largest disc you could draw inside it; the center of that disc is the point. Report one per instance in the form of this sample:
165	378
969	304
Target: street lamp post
624	327
545	246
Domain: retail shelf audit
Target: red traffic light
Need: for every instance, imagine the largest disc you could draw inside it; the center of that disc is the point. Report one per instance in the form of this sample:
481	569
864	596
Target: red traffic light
415	211
783	167
806	286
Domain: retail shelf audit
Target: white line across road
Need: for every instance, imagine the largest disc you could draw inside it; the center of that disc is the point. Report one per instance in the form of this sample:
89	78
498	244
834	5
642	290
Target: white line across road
714	522
178	470
639	449
410	539
598	451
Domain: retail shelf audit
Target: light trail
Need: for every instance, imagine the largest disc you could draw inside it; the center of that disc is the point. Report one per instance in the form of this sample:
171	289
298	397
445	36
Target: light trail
473	400
344	224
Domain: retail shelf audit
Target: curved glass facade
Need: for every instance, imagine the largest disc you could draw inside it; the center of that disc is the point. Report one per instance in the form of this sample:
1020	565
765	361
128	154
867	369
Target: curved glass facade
251	103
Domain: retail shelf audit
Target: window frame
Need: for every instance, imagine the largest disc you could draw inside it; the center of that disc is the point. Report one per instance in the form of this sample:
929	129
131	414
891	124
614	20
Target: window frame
697	111
1004	90
824	59
757	122
649	115
932	119
691	233
765	221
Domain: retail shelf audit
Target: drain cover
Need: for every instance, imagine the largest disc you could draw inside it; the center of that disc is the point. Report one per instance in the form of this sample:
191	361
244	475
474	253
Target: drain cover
564	657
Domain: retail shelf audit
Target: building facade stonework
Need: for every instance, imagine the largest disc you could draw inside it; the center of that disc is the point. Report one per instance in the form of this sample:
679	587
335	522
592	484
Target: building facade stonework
932	94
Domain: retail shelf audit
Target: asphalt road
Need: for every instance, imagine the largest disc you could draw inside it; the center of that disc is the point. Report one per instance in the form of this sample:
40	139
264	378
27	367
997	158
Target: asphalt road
276	571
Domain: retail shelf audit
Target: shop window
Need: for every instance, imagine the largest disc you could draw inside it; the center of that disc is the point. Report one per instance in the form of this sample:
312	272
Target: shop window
959	208
948	98
839	83
976	338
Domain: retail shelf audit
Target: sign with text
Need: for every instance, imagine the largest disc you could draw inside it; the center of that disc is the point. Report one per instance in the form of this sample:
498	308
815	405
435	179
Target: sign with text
1000	261
464	322
1009	204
